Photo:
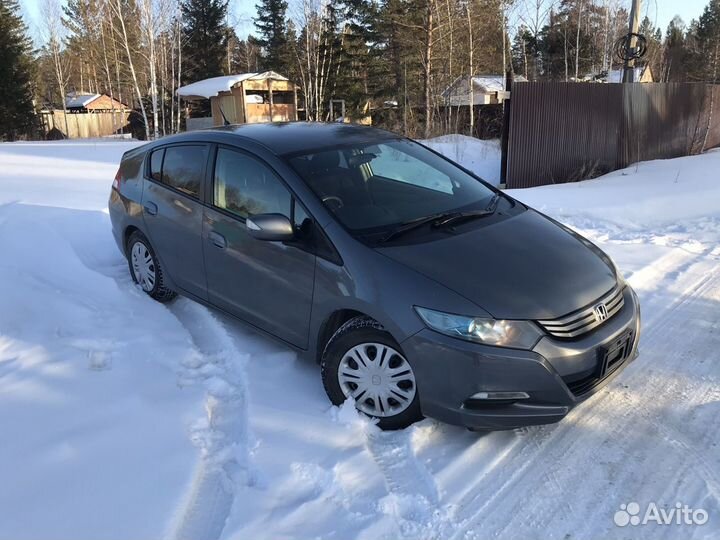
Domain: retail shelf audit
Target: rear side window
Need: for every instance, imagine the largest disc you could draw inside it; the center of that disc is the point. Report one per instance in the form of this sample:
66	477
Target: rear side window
245	186
183	167
156	159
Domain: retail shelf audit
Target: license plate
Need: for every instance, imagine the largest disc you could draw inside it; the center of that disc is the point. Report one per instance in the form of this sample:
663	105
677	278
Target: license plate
614	354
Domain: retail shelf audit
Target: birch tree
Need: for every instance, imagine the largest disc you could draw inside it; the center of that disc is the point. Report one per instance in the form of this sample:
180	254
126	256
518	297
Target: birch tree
149	24
54	33
119	13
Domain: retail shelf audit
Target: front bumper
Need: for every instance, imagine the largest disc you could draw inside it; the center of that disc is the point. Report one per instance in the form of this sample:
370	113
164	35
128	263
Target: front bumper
557	374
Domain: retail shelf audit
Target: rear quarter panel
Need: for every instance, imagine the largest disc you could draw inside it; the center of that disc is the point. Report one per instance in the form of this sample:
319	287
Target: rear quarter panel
125	205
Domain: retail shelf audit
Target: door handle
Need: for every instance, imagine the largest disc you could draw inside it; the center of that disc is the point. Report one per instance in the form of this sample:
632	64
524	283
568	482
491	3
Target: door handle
150	208
217	239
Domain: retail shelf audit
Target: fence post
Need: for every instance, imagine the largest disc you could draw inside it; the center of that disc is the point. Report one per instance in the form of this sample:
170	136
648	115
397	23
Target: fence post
505	141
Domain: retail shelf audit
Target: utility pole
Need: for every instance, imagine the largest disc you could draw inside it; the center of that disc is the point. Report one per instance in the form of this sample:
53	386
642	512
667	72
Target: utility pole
629	65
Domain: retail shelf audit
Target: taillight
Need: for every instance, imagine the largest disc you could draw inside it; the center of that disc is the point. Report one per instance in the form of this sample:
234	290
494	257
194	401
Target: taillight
118	180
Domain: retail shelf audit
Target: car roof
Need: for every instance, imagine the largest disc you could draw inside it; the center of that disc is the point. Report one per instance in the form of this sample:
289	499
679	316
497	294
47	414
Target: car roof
284	138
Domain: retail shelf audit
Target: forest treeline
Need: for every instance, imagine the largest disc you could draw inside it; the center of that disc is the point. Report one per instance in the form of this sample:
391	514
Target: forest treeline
370	53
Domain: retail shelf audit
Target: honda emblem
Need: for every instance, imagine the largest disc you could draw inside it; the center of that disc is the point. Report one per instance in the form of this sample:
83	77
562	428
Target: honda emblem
600	312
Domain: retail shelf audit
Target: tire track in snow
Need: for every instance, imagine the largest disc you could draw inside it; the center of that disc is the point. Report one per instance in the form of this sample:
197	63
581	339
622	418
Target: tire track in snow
223	435
552	444
412	494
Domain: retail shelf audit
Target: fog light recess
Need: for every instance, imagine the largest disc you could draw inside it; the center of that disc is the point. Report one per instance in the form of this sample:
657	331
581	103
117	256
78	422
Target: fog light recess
490	396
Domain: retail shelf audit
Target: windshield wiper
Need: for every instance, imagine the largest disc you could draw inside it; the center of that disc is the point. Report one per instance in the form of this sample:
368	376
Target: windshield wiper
457	217
441	219
413	224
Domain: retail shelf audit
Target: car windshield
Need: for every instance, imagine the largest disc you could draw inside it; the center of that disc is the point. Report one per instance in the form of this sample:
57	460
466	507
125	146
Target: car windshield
373	187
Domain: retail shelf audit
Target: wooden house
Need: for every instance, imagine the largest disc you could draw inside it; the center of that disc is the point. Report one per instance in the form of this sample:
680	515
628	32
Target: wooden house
246	98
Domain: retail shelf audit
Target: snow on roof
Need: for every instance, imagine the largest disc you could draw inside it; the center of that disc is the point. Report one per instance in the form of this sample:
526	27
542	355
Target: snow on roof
616	75
208	88
493	83
76	101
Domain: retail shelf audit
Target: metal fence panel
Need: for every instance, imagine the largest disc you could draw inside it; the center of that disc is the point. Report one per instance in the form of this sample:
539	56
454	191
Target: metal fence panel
564	132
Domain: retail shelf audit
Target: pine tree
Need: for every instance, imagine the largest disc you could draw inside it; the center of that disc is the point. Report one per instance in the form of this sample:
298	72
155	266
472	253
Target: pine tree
674	68
653	55
271	23
525	54
705	59
17	117
205	35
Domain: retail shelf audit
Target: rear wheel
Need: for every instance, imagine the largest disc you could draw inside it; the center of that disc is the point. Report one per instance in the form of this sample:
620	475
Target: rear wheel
145	268
364	362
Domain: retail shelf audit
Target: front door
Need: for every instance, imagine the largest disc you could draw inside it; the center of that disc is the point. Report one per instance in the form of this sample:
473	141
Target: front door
268	284
173	212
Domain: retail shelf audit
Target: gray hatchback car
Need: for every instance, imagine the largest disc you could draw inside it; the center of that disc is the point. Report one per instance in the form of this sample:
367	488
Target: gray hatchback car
418	288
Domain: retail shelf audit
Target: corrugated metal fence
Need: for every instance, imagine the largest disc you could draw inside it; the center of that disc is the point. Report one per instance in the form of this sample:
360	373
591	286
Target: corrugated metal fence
564	132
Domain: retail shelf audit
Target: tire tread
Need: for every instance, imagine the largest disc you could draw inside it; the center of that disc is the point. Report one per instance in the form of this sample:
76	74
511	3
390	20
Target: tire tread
161	292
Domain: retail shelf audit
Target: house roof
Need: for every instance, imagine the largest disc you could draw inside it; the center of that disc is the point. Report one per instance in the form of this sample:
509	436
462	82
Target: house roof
76	101
208	88
487	84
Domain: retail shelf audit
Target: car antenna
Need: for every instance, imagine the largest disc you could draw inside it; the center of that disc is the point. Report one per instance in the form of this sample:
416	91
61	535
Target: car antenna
225	120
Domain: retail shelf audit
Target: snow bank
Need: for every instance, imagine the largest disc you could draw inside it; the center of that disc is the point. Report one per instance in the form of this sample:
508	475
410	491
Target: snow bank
651	192
94	424
479	156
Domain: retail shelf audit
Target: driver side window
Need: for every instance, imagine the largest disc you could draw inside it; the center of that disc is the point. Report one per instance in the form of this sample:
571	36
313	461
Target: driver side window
246	187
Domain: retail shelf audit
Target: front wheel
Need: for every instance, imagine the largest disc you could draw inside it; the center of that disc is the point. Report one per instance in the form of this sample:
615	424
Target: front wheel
364	362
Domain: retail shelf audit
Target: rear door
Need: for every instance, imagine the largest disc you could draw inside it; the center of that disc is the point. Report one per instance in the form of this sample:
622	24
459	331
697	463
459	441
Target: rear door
269	284
173	212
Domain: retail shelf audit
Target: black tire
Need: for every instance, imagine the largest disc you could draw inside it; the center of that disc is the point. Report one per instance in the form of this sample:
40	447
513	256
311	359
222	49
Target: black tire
355	332
159	291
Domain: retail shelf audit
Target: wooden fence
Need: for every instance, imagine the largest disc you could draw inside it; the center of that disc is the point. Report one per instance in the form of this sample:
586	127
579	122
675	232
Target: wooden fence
564	132
86	125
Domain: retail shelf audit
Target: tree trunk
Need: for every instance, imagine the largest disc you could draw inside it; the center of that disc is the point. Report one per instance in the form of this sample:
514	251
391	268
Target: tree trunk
565	44
577	42
148	18
429	22
471	69
179	76
131	65
108	78
711	88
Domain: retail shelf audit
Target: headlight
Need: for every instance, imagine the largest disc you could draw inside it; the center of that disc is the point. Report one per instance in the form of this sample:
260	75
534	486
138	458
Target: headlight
514	334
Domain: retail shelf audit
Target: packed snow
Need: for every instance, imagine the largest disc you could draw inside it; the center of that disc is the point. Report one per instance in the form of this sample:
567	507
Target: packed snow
124	418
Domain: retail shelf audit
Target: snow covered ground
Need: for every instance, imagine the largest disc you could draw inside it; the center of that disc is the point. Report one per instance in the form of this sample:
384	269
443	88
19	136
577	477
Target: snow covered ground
479	156
123	418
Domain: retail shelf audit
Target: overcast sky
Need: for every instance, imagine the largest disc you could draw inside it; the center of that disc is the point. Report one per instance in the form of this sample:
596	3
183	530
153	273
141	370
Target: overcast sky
242	11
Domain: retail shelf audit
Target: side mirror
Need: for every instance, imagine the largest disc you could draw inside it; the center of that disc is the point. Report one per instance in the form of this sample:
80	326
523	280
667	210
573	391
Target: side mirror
273	227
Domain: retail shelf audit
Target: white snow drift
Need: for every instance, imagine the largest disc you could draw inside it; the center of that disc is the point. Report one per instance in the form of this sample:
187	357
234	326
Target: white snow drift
122	418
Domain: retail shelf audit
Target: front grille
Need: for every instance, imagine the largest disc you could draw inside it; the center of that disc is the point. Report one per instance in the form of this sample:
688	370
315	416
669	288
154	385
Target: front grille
583	385
584	320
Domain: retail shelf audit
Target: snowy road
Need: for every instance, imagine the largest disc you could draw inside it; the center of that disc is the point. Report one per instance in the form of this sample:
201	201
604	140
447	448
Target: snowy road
122	418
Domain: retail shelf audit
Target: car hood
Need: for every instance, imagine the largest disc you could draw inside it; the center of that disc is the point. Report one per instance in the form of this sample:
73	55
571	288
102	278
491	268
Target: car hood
520	267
